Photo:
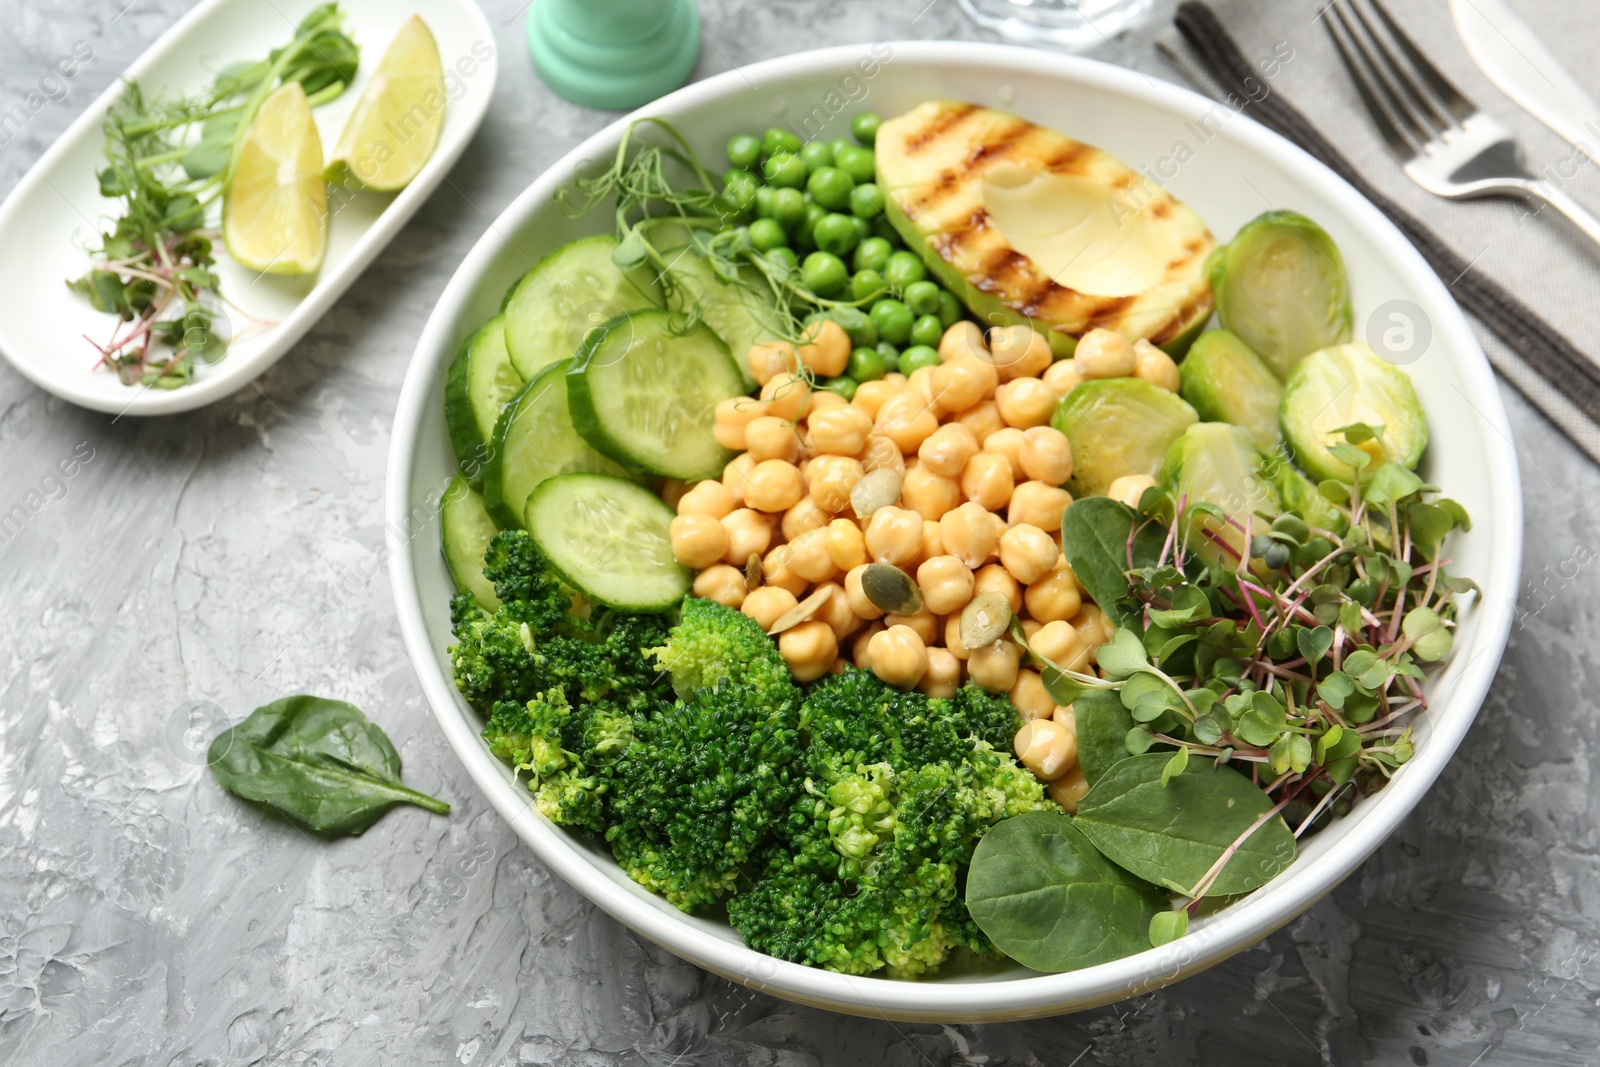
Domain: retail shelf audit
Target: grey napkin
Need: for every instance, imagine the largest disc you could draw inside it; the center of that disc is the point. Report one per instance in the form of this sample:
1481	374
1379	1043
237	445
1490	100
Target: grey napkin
1529	280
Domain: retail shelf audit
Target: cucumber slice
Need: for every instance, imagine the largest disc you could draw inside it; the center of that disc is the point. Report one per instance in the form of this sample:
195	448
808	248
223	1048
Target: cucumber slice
466	529
741	317
570	291
644	395
481	380
608	538
534	440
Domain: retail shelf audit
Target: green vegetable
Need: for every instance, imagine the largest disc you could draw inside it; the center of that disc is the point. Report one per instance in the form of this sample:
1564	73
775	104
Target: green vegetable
816	155
873	254
830	187
824	273
1102	728
1342	386
1280	287
317	762
607	537
1095	535
1176	832
777	139
916	357
784	169
894	320
926	331
480	381
1226	382
835	235
864	127
744	150
1050	901
904	269
1119	426
710	642
1215	463
465	530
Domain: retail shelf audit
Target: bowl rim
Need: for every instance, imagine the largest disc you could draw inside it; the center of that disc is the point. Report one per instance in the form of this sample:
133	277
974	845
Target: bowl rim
1231	931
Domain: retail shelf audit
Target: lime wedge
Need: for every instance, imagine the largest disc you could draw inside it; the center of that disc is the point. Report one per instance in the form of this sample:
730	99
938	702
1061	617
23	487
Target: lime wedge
396	124
275	209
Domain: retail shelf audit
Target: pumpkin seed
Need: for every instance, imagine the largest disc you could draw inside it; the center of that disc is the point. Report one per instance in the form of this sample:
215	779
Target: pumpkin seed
891	589
984	619
800	612
752	572
876	489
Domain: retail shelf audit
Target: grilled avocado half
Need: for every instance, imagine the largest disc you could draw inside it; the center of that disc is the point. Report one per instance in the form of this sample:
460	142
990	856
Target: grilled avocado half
1028	226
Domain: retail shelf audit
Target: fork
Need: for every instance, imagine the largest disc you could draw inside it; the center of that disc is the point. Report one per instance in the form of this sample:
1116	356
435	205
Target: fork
1443	141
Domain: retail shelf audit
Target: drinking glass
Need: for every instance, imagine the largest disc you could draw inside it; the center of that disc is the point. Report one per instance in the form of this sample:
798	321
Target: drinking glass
1075	25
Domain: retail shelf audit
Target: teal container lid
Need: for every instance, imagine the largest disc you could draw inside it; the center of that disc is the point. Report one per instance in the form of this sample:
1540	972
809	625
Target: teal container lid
614	54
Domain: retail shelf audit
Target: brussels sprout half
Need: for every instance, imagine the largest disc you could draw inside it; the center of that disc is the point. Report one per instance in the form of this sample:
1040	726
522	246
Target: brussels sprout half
1347	384
1119	426
1226	382
1220	464
1280	286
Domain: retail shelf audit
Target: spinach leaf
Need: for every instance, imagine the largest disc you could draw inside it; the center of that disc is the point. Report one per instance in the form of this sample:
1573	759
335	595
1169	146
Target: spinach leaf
1172	834
315	761
1103	725
1094	536
1047	899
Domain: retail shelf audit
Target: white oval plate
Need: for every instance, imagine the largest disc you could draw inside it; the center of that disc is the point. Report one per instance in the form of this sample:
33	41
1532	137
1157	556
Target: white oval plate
57	208
1142	122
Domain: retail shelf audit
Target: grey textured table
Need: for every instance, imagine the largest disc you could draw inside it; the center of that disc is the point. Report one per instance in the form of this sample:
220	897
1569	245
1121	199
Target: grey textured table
179	579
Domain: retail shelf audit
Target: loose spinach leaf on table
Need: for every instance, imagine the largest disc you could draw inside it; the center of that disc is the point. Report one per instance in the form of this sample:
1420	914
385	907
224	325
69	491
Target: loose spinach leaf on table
1103	725
1047	899
1094	536
317	762
1173	833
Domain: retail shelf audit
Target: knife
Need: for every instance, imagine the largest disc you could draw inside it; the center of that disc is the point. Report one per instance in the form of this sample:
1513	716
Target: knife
1511	54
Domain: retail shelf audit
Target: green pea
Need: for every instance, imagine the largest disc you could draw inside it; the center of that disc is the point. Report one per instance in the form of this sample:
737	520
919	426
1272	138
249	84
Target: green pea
830	187
918	356
894	320
841	144
824	273
789	207
766	199
866	201
885	229
785	255
778	139
858	326
922	297
926	330
890	354
864	127
949	309
817	154
744	150
844	385
866	365
805	232
866	284
859	163
767	234
784	169
904	268
835	233
873	254
738	202
863	228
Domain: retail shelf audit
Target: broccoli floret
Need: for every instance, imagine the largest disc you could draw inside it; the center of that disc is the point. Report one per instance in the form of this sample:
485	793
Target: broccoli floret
868	871
570	752
712	642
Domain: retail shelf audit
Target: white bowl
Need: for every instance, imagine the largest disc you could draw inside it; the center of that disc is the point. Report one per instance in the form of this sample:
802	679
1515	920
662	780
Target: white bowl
1238	171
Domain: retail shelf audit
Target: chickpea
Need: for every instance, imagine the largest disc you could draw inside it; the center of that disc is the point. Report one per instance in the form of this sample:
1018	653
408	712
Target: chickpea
774	485
1030	627
1007	443
769	437
962	338
963	382
996	579
1046	455
1062	376
732	416
899	657
1046	748
768	604
1018	352
809	649
952	637
1038	504
831	479
1154	366
896	379
907	420
1069	789
857	596
1028	553
1026	402
803	516
809	558
707	498
943	676
698	541
947	450
822	400
671	491
1093	626
968	533
722	583
748	531
894	535
839	431
736	475
769	359
1129	488
836	611
927	493
1064	716
1062	645
946	584
847	545
882	453
923	623
1029	696
921	383
987	481
982	419
860	648
1103	354
827	349
871	395
932	543
786	395
994	666
776	572
1054	597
